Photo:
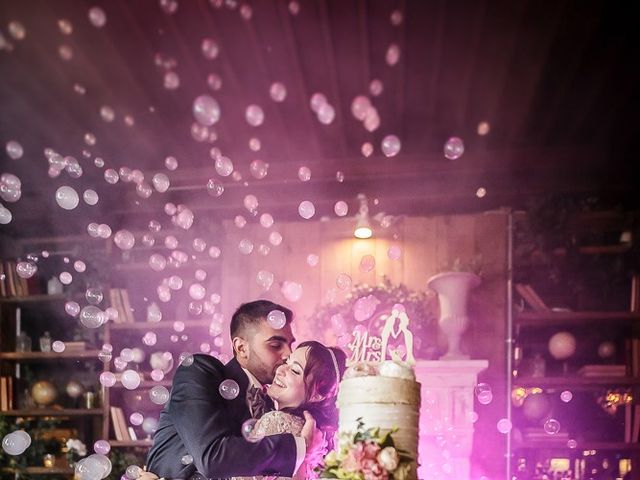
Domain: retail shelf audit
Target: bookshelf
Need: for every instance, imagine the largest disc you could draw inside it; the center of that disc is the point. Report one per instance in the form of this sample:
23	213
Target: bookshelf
589	381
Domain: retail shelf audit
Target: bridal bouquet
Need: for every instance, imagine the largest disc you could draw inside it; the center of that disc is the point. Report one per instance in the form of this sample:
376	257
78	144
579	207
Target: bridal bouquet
366	455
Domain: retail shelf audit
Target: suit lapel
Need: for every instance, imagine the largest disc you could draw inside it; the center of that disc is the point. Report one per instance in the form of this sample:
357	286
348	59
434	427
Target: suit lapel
238	409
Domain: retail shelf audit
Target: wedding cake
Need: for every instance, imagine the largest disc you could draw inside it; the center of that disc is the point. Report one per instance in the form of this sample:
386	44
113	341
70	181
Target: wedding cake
383	395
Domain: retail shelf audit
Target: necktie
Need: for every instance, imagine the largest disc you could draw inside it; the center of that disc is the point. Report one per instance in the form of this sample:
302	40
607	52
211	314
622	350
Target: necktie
258	401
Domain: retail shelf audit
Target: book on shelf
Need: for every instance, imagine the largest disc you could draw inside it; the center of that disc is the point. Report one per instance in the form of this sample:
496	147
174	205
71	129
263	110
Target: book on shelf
628	411
531	297
603	370
536	434
119	298
79	346
126	305
3	281
119	424
635	430
635	293
6	394
132	433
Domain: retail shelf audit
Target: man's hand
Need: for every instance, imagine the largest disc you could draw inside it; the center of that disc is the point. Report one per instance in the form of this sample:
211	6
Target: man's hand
147	476
313	438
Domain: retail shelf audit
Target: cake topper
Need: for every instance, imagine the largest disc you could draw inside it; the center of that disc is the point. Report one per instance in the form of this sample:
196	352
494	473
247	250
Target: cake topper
369	348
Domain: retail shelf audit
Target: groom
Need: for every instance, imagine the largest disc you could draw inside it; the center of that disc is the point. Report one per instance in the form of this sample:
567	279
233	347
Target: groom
200	431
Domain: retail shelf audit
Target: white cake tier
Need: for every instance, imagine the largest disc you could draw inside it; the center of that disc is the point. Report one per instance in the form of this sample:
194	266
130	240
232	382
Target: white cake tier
384	402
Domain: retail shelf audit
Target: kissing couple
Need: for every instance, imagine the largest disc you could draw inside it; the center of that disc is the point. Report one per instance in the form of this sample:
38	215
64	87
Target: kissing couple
291	394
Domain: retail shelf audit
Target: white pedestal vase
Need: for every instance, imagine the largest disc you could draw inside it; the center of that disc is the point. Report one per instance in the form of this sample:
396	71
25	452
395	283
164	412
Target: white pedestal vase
453	292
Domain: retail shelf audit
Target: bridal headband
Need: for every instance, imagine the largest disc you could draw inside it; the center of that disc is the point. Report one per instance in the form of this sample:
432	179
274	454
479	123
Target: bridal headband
335	364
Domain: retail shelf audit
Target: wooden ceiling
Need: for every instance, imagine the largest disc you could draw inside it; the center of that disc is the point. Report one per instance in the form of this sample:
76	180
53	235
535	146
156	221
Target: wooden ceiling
555	80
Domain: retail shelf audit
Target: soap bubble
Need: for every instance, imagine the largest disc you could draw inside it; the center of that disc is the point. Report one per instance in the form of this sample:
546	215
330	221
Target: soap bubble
265	278
326	114
159	395
107	379
343	281
102	447
566	396
292	291
317	100
136	418
552	426
306	209
278	92
93	295
161	182
254	115
67	197
391	145
259	169
14	443
366	149
133	472
206	110
453	148
341	208
229	389
313	259
185	359
276	319
249	431
149	425
223	166
209	48
245	246
483	393
58	346
97	17
266	220
14	150
130	379
393	55
26	269
304	174
124	239
504	425
394	252
367	263
92	317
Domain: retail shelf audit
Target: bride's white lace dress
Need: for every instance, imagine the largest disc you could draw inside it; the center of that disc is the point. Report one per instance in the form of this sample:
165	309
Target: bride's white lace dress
272	423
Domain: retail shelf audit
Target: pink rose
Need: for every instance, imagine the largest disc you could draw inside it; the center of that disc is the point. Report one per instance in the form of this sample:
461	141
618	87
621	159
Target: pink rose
373	471
371	449
351	461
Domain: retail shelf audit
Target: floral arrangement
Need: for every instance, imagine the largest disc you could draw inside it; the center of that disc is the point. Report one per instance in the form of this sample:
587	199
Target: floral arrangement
74	450
366	455
421	307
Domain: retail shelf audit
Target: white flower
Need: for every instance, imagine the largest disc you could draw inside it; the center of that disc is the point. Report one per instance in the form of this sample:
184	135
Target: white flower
388	458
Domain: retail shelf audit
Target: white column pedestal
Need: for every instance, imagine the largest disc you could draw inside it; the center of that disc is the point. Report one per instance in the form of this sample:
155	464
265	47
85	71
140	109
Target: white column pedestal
446	418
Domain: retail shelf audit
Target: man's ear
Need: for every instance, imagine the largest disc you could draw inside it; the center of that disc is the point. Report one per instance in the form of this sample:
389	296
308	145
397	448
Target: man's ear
240	348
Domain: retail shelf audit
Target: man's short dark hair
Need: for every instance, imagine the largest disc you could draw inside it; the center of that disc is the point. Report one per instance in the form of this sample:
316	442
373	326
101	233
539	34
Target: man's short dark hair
252	313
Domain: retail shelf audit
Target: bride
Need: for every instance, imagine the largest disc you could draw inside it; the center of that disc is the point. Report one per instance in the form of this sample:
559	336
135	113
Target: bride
308	381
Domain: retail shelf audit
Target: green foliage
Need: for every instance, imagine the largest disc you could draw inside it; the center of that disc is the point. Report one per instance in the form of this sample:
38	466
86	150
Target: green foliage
122	458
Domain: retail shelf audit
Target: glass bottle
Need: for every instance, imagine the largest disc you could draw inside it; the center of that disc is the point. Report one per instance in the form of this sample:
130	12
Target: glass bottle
23	342
45	342
538	366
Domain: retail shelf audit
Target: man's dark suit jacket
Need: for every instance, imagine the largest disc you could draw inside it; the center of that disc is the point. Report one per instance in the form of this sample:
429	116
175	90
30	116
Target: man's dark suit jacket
197	421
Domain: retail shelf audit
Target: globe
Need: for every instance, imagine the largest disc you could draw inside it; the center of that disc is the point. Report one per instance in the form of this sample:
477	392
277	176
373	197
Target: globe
43	393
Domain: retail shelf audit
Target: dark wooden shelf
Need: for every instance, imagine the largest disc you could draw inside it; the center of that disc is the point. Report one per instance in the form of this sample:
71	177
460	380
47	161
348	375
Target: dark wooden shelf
158	325
48	356
52	412
130	443
34	298
554	444
574	381
551	318
147	384
40	470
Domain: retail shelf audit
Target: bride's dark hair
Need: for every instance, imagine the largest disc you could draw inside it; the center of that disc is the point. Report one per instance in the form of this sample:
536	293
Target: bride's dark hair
321	378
